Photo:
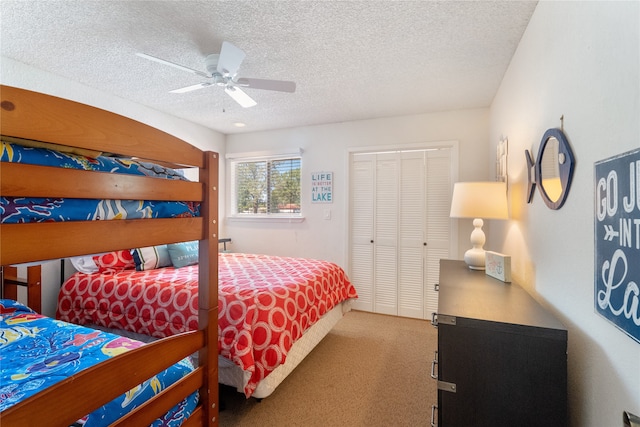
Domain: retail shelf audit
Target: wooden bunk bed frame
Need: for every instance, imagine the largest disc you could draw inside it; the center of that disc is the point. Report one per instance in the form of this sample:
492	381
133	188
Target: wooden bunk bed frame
34	116
10	283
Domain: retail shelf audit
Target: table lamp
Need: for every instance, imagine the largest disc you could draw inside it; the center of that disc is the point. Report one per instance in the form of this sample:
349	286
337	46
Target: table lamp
478	200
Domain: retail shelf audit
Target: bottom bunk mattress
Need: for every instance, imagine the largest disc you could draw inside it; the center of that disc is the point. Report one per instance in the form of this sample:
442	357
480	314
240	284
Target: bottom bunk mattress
38	352
265	304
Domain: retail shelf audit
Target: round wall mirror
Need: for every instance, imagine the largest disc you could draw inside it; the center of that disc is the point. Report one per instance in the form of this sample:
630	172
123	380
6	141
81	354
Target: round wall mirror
554	168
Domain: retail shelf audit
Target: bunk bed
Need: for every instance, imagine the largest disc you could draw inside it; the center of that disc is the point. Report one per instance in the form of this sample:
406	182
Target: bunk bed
31	116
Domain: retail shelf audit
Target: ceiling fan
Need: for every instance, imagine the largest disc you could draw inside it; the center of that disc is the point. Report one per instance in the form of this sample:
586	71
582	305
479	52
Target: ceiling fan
222	71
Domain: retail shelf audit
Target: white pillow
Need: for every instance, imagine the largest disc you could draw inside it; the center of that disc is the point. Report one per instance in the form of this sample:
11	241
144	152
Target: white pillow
84	264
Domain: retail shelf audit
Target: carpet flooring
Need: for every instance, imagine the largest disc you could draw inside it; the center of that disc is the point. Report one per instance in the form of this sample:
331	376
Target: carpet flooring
370	370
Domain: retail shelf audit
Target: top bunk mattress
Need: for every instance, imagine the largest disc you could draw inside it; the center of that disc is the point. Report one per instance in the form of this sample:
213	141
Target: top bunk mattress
29	209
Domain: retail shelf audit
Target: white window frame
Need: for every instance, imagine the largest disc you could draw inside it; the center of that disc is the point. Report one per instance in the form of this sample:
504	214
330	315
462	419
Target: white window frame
235	158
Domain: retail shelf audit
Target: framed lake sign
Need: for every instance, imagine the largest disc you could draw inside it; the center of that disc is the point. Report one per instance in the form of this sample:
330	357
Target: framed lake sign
617	241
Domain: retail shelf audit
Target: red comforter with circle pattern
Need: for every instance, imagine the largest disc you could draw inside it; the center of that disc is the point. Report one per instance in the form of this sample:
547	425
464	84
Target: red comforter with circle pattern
265	303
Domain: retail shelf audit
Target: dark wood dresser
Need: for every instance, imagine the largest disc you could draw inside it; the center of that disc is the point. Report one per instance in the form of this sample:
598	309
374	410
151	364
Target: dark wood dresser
501	358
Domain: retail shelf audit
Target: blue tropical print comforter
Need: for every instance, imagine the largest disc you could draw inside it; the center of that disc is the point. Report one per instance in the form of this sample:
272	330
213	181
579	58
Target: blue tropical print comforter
22	209
37	352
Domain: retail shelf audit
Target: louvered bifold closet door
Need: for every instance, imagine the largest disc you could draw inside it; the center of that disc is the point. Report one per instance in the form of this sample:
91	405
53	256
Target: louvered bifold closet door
439	187
412	234
399	229
362	178
387	185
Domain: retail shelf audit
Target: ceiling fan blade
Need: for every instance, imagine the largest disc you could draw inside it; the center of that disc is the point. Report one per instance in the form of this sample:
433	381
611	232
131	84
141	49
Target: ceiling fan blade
279	85
240	97
190	88
173	64
230	59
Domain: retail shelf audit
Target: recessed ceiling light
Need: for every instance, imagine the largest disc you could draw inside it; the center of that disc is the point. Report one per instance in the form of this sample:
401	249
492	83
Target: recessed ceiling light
239	124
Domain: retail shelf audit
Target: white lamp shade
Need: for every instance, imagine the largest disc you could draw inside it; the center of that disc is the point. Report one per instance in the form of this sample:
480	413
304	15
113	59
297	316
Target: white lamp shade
478	200
487	200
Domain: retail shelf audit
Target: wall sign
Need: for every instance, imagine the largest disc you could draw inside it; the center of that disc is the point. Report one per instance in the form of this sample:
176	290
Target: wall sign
498	265
322	187
617	241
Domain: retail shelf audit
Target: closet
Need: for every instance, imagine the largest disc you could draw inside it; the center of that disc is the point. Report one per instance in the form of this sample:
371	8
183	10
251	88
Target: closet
399	228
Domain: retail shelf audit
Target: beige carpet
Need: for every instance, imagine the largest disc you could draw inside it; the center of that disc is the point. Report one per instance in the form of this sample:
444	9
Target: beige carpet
371	370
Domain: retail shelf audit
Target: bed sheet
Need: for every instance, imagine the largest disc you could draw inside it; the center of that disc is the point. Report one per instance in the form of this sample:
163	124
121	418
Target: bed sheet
37	352
265	303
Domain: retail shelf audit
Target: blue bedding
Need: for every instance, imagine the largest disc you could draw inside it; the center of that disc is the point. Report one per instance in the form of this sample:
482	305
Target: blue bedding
37	352
21	209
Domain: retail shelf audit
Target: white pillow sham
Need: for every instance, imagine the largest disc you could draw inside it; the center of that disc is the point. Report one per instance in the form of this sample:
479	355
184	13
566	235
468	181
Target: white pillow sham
84	264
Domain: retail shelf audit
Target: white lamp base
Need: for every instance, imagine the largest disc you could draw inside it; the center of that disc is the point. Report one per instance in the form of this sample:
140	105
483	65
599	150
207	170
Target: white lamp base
474	257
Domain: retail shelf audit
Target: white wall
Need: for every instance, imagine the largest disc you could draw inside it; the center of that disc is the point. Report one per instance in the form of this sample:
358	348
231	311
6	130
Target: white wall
17	74
326	148
580	60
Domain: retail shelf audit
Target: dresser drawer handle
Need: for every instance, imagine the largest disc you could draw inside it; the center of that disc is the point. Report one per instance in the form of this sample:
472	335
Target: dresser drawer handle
434	320
434	409
434	363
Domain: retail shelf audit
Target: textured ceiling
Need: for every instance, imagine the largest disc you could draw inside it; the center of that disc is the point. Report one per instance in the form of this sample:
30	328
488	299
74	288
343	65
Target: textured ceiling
351	60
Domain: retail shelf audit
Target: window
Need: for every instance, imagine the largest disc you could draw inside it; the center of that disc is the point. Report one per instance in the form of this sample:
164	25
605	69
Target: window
266	187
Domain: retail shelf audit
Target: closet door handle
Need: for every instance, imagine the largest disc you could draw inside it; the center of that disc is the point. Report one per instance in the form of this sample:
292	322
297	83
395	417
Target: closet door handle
371	240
